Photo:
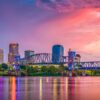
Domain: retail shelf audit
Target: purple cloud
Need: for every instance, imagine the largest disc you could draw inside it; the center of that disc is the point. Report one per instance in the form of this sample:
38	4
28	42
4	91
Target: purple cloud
68	5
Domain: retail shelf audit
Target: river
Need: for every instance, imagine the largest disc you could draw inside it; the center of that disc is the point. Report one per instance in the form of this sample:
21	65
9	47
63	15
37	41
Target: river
49	88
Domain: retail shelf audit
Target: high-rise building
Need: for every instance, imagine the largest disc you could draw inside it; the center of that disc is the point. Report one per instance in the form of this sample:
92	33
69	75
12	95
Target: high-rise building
28	53
13	52
71	59
1	56
57	53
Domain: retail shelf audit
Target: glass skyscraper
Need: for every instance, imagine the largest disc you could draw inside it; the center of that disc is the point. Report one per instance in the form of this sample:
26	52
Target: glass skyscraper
57	53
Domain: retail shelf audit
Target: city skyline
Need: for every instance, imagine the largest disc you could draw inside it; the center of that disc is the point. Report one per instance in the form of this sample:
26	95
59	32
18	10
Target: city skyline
37	28
56	49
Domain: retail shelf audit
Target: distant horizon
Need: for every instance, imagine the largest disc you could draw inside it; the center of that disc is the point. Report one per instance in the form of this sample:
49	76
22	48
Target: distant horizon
38	24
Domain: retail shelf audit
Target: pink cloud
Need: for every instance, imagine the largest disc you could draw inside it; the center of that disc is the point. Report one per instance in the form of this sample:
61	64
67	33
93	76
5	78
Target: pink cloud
76	31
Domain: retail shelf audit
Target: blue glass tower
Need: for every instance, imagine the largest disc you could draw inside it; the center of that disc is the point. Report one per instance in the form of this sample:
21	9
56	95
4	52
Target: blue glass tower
57	53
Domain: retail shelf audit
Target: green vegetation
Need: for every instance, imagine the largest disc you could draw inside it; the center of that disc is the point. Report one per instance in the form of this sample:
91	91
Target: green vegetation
44	71
50	70
7	70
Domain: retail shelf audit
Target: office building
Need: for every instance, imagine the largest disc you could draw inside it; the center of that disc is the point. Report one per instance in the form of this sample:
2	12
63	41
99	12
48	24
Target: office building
71	59
13	52
28	53
1	56
57	53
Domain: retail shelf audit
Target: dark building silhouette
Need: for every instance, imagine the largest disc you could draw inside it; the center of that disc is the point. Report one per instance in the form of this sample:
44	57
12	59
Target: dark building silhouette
57	53
28	53
1	56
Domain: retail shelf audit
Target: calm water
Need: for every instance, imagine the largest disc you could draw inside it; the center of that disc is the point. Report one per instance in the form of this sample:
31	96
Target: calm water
49	88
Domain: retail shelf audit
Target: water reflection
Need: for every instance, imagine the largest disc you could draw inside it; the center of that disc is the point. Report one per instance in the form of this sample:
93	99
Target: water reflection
1	88
49	88
13	88
40	96
55	89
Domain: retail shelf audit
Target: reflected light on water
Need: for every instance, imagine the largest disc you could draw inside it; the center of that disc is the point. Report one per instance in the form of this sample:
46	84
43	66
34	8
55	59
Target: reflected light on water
26	88
13	88
40	89
66	84
50	88
47	79
55	89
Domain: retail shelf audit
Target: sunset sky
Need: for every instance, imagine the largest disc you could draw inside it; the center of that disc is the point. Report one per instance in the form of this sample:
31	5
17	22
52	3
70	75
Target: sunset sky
39	24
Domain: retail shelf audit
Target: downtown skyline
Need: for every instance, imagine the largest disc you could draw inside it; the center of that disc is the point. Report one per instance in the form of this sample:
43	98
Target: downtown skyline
36	26
14	51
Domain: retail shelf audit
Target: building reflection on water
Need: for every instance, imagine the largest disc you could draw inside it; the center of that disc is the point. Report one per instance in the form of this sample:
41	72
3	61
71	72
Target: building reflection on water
1	88
12	81
48	88
40	92
42	88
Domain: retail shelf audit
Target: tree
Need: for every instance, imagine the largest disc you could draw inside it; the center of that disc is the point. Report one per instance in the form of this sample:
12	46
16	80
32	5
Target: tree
44	69
52	70
23	67
4	66
62	68
31	69
35	69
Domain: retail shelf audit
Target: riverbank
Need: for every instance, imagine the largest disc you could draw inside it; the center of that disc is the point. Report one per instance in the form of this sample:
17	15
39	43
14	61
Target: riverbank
24	73
28	70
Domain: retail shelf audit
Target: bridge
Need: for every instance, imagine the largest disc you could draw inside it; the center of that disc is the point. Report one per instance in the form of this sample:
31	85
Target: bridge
43	59
90	65
46	59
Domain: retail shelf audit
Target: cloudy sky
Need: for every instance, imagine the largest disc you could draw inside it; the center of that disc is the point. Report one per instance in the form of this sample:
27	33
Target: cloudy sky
38	24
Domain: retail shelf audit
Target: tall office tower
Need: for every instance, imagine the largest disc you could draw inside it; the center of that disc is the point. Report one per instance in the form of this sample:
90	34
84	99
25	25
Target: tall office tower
1	56
13	52
57	53
28	53
71	59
